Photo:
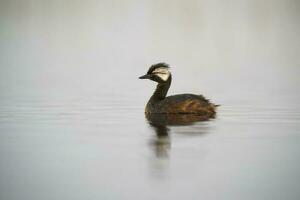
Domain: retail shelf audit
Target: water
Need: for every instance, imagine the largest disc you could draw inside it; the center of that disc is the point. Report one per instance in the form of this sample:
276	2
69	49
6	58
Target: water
72	123
103	147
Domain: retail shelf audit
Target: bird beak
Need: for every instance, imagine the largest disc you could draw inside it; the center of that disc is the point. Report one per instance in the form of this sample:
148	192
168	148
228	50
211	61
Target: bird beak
146	76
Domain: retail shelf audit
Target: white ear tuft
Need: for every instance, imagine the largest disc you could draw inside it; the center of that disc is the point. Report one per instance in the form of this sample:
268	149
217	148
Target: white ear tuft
162	73
164	77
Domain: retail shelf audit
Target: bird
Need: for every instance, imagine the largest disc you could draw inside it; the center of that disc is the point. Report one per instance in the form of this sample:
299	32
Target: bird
160	103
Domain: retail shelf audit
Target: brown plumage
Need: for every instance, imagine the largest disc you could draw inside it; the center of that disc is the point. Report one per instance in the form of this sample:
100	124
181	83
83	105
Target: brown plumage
166	119
176	104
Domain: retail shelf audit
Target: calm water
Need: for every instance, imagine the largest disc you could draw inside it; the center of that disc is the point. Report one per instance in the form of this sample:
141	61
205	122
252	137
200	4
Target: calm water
101	146
72	125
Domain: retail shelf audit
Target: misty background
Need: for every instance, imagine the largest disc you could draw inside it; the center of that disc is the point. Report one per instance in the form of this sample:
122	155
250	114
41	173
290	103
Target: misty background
74	46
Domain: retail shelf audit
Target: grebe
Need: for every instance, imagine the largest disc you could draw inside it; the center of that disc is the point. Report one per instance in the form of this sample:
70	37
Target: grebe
175	104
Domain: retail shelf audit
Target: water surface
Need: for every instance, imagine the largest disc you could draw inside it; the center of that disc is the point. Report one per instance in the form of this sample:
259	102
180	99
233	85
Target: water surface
105	148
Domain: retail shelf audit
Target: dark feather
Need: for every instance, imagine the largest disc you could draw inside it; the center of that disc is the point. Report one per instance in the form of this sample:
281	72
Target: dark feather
158	65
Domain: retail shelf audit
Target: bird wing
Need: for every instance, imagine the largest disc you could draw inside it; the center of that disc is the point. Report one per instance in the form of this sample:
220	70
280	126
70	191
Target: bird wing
190	104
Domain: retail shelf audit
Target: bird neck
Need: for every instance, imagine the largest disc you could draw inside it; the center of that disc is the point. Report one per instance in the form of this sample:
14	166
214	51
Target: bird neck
161	90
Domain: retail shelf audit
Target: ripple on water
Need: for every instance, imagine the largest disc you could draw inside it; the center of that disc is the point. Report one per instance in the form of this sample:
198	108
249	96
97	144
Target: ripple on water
268	114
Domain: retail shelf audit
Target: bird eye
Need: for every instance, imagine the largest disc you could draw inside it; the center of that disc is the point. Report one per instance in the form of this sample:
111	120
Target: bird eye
159	73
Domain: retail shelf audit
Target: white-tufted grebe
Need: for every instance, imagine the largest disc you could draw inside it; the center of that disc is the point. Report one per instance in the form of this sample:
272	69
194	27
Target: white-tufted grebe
176	104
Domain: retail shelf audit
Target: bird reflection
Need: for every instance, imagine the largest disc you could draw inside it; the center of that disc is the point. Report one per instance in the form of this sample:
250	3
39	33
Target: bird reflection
161	143
160	124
